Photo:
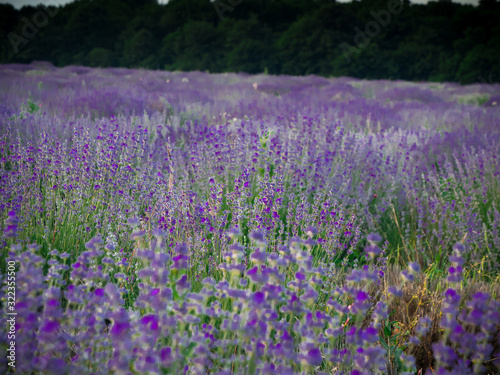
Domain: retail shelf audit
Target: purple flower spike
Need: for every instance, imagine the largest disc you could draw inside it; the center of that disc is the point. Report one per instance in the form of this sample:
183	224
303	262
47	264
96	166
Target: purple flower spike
300	276
11	223
158	233
311	231
313	357
183	283
407	276
89	245
258	257
258	298
10	231
99	292
110	247
12	218
414	267
361	296
137	234
257	236
252	271
181	249
459	248
166	355
233	232
180	262
133	222
373	250
374	238
119	329
50	326
395	292
283	250
309	243
452	295
146	319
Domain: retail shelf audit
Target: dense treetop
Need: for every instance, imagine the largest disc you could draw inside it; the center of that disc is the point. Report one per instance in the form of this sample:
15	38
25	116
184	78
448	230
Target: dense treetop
373	39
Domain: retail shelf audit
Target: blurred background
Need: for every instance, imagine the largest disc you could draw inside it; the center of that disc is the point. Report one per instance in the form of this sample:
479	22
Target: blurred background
368	39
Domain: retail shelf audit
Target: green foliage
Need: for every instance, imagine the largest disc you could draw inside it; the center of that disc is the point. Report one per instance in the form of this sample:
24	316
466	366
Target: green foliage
392	341
29	107
100	57
440	41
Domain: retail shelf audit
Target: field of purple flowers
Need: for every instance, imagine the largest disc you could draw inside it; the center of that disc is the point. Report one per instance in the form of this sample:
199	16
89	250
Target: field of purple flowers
191	223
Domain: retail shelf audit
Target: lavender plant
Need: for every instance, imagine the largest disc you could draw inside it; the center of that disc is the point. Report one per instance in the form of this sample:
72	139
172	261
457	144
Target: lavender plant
246	224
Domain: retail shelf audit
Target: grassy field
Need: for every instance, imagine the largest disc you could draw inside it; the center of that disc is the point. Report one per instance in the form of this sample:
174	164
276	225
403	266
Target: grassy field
167	223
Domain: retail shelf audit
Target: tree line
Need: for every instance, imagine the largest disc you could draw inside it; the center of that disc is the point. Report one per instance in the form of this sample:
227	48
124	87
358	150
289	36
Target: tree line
370	39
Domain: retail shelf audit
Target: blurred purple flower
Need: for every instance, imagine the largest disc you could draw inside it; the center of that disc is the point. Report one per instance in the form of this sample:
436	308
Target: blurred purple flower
313	357
414	267
257	236
133	222
258	298
373	238
50	326
233	232
11	223
311	231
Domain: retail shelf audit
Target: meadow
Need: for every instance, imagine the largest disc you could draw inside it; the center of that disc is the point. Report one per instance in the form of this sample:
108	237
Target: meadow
161	222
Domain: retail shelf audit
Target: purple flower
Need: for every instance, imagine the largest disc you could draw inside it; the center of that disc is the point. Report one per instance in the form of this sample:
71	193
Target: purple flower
444	354
166	355
258	257
373	250
362	296
237	294
50	326
394	291
407	276
373	238
452	295
183	283
137	234
455	274
12	218
283	250
414	267
313	357
179	262
151	320
457	260
11	223
459	248
258	298
252	271
120	328
309	243
133	222
181	249
257	236
309	296
10	231
159	233
300	276
311	231
233	232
